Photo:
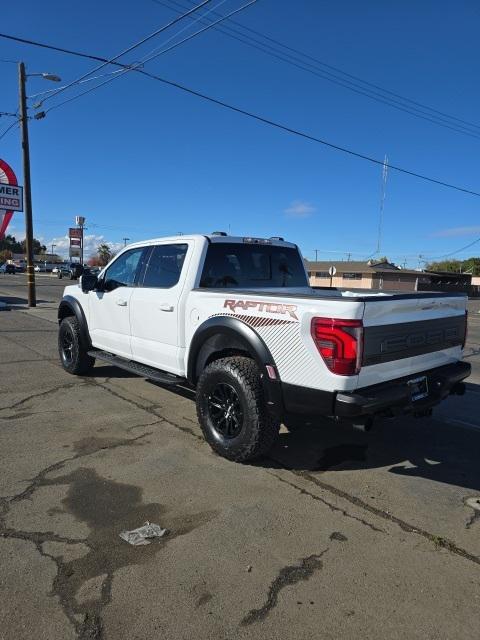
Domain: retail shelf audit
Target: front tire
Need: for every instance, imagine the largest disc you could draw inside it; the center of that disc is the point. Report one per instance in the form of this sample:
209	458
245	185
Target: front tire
73	355
232	411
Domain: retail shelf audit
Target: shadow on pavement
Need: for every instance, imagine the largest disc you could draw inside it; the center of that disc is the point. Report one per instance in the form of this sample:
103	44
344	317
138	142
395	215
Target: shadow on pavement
109	371
16	300
427	447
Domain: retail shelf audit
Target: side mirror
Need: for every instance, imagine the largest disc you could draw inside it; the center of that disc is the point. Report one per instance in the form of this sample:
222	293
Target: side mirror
88	282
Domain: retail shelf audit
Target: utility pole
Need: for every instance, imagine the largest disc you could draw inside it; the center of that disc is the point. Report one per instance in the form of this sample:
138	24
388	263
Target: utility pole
125	240
348	256
32	299
316	255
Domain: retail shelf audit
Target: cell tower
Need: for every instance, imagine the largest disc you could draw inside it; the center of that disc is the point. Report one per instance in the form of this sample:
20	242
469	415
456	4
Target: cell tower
382	202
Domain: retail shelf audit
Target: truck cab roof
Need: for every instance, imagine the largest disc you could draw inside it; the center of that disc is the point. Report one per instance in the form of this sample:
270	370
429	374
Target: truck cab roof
216	237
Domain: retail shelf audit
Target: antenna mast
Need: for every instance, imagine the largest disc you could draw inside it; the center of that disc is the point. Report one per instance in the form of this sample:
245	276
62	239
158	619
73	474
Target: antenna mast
382	202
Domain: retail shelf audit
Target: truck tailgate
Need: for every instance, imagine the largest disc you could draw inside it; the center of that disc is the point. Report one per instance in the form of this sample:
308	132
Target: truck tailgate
409	334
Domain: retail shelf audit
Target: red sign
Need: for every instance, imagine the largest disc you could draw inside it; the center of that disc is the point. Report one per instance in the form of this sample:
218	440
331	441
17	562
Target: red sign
75	233
7	176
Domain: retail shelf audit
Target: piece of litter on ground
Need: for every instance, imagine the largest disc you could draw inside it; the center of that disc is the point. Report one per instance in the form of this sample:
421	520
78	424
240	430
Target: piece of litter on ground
143	535
249	568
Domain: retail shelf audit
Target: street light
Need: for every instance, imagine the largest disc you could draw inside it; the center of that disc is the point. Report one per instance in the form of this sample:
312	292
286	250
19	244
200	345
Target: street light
22	79
50	76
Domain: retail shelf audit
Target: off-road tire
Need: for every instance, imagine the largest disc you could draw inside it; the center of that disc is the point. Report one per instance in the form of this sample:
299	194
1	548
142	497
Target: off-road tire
75	358
258	429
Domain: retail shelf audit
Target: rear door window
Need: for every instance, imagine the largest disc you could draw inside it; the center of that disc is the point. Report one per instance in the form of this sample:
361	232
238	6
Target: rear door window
252	266
165	266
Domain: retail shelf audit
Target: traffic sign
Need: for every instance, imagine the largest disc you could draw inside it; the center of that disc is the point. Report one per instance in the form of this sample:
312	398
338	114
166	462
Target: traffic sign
11	196
332	271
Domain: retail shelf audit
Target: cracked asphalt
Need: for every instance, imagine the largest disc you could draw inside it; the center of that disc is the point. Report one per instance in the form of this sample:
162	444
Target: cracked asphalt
335	534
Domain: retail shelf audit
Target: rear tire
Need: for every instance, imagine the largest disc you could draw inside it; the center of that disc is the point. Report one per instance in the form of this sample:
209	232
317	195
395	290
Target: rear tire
232	411
73	355
59	275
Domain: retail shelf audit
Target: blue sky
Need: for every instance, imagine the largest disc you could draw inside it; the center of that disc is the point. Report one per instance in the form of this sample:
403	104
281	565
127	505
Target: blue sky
140	159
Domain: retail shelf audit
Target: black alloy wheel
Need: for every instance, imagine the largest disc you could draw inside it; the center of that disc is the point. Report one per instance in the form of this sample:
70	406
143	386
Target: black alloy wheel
225	410
66	348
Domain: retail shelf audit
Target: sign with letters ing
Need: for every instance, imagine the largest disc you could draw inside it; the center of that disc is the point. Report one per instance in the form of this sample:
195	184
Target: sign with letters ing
11	196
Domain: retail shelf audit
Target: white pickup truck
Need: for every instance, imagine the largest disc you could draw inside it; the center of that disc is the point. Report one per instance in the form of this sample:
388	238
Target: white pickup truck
236	319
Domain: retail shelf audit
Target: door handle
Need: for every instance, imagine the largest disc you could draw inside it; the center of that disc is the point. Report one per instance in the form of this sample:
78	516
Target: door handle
121	302
166	307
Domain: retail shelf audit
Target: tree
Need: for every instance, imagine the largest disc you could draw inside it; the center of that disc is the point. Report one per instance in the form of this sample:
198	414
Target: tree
15	246
104	254
5	255
471	265
37	246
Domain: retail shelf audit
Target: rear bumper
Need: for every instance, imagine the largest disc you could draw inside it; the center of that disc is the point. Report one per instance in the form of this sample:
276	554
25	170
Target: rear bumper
388	398
394	396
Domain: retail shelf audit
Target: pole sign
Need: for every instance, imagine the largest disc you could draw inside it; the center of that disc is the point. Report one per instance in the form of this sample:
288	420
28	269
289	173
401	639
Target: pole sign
11	196
75	236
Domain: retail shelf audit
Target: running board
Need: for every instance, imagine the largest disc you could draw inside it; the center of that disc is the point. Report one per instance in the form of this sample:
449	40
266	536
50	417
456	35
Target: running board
142	370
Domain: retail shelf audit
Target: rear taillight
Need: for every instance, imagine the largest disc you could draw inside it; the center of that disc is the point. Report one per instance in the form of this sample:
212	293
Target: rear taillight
465	333
340	343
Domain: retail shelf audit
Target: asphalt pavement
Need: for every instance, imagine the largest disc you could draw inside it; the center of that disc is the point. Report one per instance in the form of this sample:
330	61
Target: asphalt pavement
335	534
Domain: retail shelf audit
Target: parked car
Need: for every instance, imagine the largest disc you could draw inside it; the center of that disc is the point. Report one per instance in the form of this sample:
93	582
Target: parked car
8	268
92	270
237	319
72	270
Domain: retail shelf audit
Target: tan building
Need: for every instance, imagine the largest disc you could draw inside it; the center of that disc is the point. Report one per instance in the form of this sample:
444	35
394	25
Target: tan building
365	275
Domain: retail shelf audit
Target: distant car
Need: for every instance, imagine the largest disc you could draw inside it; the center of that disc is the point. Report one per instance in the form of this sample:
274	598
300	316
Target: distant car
8	268
93	270
39	268
72	270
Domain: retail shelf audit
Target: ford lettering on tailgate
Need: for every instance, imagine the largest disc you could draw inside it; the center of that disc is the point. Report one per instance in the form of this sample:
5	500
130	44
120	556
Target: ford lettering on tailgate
393	342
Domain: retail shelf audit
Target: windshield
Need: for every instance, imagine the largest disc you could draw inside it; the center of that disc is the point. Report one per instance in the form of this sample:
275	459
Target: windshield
250	266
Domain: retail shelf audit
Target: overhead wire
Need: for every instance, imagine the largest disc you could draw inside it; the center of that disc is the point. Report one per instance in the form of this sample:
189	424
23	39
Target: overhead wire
131	47
265	120
9	128
452	253
465	128
148	57
103	75
211	25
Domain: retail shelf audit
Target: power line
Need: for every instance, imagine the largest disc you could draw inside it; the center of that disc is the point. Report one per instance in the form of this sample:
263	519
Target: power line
103	75
9	128
452	253
135	67
196	33
272	123
307	136
132	47
314	69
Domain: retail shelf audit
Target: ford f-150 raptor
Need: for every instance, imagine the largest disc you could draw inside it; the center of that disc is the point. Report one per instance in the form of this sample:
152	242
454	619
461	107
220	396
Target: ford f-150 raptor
236	319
